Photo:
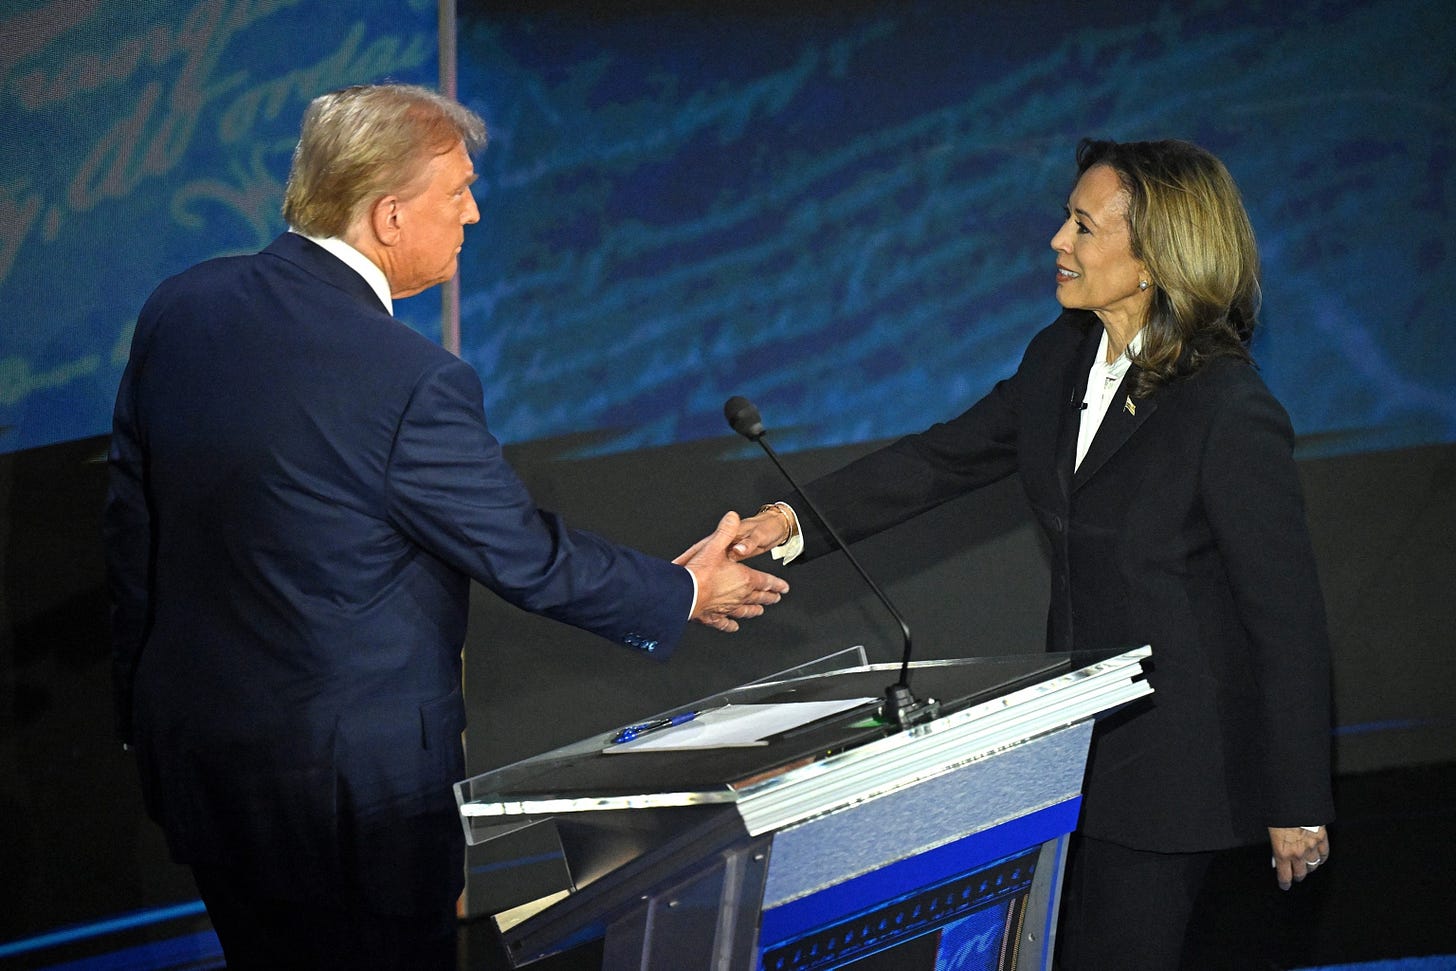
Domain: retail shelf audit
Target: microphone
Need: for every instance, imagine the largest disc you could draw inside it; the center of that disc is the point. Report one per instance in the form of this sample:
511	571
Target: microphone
900	706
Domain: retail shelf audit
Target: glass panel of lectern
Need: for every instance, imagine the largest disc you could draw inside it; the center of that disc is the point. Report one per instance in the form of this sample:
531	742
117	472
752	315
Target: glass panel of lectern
841	842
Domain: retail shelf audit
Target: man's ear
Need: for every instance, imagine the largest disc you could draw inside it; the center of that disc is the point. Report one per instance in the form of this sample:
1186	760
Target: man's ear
384	219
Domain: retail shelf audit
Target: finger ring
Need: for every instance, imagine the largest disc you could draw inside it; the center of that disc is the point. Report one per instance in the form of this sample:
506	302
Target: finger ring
1314	863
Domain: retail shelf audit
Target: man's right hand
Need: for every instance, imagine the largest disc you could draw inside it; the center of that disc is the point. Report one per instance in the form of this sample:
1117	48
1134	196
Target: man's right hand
728	591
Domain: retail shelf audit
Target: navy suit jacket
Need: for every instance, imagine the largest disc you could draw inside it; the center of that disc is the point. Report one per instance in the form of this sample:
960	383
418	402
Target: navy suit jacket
1183	528
301	490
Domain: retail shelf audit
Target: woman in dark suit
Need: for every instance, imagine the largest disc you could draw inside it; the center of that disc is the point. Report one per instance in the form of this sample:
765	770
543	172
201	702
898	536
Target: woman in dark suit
1161	469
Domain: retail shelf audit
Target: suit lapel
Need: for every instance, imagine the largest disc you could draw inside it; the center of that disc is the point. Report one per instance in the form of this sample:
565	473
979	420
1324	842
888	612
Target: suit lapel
1124	416
1074	384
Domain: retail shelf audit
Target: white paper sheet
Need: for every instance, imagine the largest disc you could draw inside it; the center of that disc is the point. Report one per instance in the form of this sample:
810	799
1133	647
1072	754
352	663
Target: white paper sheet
737	725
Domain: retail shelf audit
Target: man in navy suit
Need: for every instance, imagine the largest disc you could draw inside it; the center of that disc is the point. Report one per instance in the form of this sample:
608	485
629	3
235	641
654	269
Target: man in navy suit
302	489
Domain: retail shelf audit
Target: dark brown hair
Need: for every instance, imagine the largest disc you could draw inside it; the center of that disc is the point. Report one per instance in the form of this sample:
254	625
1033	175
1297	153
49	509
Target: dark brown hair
1187	225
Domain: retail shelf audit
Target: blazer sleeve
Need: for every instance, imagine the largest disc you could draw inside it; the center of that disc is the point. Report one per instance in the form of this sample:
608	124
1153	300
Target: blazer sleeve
919	472
1254	504
451	491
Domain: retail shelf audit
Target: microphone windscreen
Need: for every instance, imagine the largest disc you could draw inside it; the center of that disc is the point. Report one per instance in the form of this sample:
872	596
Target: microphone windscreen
743	417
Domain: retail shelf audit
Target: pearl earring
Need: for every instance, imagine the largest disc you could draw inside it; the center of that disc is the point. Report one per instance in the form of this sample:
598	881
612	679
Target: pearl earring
1142	284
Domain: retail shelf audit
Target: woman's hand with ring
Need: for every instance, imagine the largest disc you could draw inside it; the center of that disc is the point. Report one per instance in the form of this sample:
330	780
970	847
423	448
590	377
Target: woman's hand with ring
1298	851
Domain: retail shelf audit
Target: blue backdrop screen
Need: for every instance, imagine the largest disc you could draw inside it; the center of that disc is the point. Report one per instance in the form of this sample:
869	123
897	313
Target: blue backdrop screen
141	138
843	211
839	210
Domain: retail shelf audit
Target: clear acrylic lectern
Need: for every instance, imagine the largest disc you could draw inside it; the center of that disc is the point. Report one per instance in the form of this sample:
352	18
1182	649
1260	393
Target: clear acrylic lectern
842	841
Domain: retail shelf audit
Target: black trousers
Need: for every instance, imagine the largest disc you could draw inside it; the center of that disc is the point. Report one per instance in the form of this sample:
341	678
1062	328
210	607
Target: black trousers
1126	909
267	934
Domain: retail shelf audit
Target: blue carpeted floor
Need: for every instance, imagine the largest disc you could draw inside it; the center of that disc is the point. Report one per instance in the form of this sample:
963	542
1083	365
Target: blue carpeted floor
1384	902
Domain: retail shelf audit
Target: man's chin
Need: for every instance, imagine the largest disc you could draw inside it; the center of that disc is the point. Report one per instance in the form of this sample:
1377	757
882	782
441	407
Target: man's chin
419	288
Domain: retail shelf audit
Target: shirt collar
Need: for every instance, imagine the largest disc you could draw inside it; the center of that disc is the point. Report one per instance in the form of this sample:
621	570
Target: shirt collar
360	264
1124	360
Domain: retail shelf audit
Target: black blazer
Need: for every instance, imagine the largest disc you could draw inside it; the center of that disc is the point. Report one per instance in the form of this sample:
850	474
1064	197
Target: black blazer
1184	528
302	489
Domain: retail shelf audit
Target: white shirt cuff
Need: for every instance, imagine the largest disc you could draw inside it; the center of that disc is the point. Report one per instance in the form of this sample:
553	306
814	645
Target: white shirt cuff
790	548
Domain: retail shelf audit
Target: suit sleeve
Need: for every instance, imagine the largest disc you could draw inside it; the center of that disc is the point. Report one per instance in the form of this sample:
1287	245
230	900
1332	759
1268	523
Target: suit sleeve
1255	506
453	493
916	473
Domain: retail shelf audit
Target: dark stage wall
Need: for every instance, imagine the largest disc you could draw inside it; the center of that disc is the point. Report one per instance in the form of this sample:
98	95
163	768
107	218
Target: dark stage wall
75	845
971	579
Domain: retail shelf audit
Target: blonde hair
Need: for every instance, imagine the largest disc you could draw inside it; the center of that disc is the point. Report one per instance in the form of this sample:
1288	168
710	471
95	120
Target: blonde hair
363	142
1187	225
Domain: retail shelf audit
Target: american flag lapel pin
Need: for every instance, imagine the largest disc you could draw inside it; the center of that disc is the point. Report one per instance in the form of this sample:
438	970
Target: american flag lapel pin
1129	407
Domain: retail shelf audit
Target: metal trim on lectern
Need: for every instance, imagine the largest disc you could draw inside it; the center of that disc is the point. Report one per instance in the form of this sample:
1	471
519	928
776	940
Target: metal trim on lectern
803	817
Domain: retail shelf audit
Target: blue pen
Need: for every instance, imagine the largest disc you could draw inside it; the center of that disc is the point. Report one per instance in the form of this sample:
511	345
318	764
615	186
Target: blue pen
656	725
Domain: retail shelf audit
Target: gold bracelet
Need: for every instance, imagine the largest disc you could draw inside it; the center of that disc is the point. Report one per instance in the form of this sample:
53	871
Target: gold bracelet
788	523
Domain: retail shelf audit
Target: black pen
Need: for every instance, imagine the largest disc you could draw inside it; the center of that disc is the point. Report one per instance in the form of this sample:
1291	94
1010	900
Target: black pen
656	725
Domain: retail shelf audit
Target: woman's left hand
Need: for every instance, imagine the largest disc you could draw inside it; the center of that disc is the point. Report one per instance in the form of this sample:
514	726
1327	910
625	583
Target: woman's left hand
1297	852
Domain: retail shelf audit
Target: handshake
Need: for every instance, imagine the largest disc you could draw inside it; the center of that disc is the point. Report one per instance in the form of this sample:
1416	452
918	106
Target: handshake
728	591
